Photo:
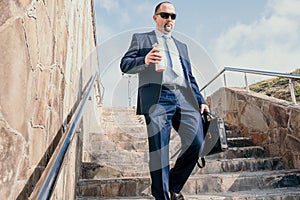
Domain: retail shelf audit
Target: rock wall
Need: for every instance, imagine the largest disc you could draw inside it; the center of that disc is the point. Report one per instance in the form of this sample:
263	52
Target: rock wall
48	53
272	123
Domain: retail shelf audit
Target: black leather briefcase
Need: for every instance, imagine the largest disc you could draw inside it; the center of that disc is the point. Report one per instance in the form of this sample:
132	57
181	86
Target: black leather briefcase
215	140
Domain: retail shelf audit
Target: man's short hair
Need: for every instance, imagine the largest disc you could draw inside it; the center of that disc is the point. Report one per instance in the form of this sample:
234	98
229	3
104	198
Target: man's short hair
158	6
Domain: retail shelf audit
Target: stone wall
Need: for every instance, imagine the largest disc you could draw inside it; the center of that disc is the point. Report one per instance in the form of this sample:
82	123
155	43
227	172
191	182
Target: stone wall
272	123
48	53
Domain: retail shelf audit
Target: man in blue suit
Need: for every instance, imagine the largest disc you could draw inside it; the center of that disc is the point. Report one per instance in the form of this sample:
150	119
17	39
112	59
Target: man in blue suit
168	98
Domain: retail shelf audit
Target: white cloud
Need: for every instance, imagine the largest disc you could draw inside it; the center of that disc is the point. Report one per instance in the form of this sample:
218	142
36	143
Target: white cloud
142	8
107	4
271	43
285	7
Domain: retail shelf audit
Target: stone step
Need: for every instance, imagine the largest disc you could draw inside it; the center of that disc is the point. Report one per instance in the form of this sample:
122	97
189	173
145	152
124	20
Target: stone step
292	193
241	146
136	131
197	184
136	164
242	181
121	115
117	198
141	146
97	171
138	142
107	151
113	187
241	152
232	131
239	141
240	165
117	169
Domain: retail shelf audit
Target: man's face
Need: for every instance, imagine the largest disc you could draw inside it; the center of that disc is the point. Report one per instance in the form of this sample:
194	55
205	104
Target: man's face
162	24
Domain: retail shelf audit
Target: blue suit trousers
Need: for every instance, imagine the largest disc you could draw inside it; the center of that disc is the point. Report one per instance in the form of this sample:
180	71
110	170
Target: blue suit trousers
172	110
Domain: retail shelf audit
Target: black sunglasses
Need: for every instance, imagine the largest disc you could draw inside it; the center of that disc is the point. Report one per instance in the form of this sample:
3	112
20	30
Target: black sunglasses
165	15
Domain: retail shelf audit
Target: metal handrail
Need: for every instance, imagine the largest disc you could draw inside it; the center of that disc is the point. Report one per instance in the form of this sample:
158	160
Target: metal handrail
259	72
51	178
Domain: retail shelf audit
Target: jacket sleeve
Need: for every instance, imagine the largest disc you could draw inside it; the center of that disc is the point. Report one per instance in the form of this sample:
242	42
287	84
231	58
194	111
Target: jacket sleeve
133	61
195	88
192	80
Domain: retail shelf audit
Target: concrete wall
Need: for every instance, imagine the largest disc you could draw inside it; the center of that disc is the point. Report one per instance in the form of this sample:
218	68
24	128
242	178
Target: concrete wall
272	123
48	52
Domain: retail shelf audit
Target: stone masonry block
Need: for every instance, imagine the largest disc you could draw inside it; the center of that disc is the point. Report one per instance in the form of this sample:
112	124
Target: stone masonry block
293	144
46	40
11	157
253	115
279	115
295	121
15	67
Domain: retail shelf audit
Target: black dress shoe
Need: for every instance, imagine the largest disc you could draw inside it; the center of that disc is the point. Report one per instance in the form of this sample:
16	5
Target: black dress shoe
176	196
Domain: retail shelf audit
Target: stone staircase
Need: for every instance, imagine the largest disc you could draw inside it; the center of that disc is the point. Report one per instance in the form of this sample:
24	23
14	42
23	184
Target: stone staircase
119	166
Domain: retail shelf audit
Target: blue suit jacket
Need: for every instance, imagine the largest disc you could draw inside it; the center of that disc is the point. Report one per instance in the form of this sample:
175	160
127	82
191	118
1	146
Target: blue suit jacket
149	80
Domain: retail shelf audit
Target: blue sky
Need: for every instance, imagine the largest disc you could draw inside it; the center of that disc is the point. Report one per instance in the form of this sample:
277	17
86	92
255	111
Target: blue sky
254	34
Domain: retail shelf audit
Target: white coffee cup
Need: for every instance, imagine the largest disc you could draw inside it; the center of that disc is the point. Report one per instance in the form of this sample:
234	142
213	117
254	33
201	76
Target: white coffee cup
160	67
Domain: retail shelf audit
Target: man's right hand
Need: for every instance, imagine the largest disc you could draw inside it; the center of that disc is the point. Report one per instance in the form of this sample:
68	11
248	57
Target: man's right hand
153	57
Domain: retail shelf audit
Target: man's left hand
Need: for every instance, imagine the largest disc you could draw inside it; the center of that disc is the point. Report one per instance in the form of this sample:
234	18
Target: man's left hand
204	107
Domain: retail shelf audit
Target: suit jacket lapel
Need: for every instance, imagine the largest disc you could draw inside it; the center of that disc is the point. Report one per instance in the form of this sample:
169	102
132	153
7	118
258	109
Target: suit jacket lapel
152	38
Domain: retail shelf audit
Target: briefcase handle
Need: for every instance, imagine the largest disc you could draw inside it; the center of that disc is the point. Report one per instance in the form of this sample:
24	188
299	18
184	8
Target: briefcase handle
202	164
209	114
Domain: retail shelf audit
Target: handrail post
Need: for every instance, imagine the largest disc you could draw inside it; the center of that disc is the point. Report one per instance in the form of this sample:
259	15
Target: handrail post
129	90
225	83
292	91
246	82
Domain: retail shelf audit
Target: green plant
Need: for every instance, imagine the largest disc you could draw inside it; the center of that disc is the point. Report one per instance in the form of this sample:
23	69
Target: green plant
278	87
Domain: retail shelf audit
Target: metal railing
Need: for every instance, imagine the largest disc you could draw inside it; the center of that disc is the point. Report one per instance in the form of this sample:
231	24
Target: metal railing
258	72
50	178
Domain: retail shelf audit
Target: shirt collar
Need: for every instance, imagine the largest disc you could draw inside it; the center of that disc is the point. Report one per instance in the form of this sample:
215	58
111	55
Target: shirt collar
160	34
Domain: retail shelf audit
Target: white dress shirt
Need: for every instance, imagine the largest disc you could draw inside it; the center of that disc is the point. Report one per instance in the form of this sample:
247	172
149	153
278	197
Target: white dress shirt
171	61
